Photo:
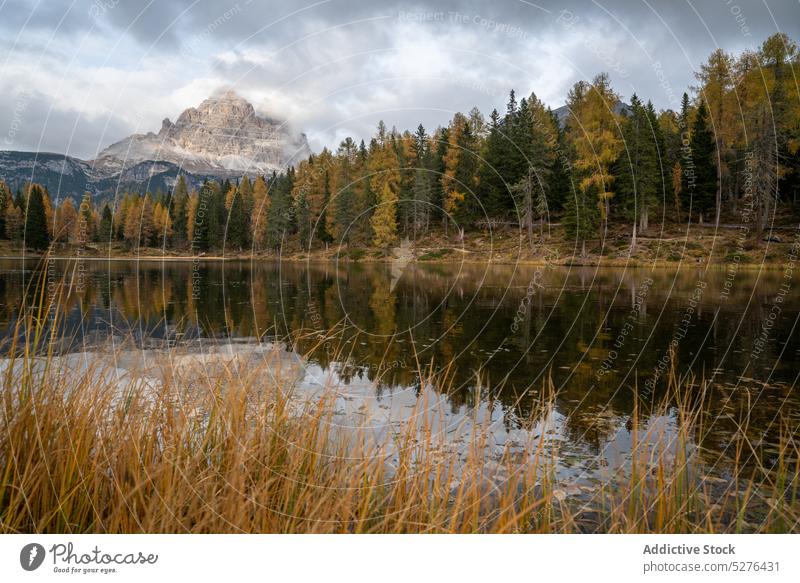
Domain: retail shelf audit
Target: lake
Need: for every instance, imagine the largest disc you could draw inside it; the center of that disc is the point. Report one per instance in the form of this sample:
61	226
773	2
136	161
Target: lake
607	337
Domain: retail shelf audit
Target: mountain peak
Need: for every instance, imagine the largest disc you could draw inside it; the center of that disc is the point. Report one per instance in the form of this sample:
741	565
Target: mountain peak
223	135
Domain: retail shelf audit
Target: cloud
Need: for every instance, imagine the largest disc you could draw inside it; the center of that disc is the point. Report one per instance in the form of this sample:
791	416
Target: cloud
100	69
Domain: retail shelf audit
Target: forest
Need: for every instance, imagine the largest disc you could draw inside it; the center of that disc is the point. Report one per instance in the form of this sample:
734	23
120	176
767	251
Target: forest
728	152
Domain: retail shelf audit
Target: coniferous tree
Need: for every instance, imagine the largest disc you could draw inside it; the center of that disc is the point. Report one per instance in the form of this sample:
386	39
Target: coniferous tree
279	220
345	213
494	191
561	177
716	80
237	229
322	233
36	231
105	231
305	221
440	144
215	214
5	201
202	212
178	209
637	169
701	192
461	165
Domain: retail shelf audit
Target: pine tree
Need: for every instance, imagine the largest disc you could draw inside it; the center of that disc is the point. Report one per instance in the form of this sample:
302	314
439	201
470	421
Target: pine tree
422	183
178	210
345	213
305	222
237	228
536	139
201	230
716	81
422	197
461	168
560	184
701	193
280	216
494	192
637	176
439	144
344	206
322	233
5	201
105	231
216	215
36	232
406	150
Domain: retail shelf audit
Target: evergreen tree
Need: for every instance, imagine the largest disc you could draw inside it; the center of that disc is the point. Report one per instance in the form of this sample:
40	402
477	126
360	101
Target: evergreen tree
36	233
441	142
322	233
536	140
237	228
279	220
203	209
461	168
701	192
178	209
345	213
305	222
494	191
560	184
637	169
216	215
105	231
5	201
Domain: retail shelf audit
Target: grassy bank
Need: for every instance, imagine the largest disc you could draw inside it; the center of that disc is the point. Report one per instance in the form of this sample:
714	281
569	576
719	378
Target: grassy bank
675	245
240	451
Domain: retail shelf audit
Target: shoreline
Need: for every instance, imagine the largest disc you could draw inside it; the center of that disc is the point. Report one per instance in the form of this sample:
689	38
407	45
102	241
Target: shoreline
587	262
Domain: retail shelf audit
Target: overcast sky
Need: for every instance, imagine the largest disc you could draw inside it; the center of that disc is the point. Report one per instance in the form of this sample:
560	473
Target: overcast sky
79	75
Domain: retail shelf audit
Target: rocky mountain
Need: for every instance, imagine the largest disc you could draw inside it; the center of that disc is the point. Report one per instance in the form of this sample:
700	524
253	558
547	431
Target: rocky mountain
221	138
